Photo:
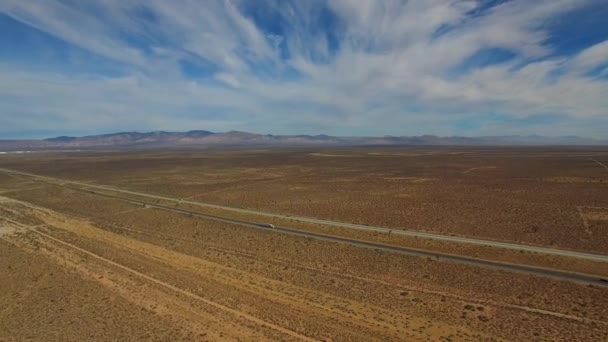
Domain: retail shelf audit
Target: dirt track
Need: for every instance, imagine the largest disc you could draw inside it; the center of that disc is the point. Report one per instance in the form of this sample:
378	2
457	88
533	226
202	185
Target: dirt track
76	265
144	274
169	284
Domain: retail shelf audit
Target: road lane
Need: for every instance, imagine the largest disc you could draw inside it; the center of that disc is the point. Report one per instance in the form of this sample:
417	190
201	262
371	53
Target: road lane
526	269
400	232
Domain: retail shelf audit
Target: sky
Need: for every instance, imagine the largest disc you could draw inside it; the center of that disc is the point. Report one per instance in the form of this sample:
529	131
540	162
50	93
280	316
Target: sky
339	67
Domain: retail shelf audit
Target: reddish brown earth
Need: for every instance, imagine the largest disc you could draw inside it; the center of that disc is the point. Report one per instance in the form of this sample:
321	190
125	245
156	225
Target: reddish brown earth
75	265
554	197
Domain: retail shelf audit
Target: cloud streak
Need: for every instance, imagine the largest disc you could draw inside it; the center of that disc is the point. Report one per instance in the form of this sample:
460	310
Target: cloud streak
336	66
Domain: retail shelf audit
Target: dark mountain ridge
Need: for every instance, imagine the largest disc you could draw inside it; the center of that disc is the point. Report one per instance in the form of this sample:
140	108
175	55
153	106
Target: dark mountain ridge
202	138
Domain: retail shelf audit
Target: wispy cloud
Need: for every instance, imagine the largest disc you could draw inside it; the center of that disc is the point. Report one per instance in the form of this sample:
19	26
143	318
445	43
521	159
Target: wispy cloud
335	66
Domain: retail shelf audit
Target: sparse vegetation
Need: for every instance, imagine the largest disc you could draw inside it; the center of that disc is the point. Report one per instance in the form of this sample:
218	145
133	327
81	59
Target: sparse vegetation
188	277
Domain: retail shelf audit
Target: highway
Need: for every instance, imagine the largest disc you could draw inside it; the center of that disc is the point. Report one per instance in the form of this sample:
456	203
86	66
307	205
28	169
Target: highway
401	232
532	270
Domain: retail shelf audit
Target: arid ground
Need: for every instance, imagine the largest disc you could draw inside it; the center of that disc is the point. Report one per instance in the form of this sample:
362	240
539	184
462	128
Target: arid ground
84	263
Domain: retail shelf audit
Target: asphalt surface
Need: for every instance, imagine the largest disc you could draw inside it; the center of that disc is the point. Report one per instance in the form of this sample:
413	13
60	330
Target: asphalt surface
401	232
526	269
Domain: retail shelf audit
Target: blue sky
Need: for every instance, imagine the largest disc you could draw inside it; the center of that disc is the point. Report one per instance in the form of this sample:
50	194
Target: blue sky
341	67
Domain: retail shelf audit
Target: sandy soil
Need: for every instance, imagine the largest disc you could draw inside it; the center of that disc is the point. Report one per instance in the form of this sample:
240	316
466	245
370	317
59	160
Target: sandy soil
528	195
160	276
76	266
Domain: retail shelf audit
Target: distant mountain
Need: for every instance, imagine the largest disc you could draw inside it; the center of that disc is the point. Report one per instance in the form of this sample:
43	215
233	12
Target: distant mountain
200	138
61	139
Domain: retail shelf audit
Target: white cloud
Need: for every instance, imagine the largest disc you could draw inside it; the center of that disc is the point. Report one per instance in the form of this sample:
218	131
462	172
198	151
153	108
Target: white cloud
384	65
592	57
227	78
83	27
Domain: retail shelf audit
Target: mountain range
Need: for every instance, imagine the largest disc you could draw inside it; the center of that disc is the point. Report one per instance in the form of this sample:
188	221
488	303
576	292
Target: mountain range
204	139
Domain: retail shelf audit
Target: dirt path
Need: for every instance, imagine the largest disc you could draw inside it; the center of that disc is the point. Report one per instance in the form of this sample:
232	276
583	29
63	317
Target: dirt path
231	304
208	290
364	319
479	168
600	164
122	286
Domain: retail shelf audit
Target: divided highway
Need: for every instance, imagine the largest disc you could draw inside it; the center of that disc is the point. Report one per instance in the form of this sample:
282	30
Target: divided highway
402	232
537	271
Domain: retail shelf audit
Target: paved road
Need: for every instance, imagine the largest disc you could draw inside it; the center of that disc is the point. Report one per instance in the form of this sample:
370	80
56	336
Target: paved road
401	232
586	279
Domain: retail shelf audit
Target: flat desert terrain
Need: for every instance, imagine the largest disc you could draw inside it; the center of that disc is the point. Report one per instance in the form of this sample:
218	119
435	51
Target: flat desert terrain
210	245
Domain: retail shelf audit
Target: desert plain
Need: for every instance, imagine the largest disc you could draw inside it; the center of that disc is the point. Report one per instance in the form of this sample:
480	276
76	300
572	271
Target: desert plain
254	244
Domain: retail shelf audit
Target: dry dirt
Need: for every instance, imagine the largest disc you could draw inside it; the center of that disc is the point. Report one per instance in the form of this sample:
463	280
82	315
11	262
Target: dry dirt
76	266
528	195
179	277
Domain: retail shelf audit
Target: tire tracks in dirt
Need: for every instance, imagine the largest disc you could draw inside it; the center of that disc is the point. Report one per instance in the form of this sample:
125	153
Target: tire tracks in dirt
463	299
375	281
600	163
364	318
160	283
356	318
